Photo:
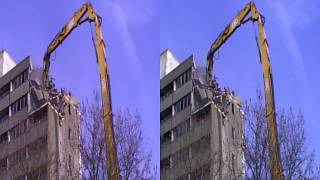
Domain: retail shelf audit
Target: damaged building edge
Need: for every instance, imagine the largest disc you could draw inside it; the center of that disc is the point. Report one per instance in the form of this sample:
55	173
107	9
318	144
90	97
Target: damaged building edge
39	133
201	128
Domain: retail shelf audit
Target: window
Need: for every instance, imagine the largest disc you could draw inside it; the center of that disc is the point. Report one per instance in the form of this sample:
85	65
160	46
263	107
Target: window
165	138
166	91
202	116
69	107
69	133
23	177
18	129
19	104
40	173
181	128
201	173
180	156
4	115
4	91
233	161
18	156
200	145
3	164
39	116
4	138
166	115
70	162
182	103
183	78
233	132
232	106
165	163
20	79
37	145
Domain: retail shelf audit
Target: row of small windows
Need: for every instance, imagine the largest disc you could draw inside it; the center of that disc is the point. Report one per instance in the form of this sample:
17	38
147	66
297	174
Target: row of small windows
39	173
20	79
4	115
176	132
201	173
182	103
20	156
178	106
23	126
16	106
183	78
165	115
16	82
19	104
184	127
186	153
4	91
167	91
180	81
14	132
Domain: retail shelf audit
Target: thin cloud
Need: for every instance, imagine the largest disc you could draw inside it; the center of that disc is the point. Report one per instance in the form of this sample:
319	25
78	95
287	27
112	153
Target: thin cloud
138	13
297	59
130	50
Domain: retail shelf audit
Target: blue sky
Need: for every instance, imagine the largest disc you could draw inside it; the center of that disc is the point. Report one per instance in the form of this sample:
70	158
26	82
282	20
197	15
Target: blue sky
131	34
292	29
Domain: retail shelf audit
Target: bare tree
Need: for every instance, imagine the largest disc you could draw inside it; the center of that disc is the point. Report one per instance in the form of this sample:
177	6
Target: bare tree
135	161
297	161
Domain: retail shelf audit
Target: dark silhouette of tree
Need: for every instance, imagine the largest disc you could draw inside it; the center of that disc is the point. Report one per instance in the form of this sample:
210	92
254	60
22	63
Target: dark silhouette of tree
297	161
134	160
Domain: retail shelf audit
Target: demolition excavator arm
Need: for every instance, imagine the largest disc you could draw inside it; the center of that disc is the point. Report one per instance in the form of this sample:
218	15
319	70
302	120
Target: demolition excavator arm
241	18
76	20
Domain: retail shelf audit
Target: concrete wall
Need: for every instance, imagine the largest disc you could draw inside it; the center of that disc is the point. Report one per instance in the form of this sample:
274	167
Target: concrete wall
218	128
54	130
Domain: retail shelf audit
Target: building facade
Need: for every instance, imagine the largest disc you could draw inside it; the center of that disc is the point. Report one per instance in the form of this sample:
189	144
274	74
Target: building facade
39	130
201	129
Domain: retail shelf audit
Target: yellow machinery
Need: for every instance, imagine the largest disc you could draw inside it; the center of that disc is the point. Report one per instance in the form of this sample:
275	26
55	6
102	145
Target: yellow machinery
76	20
275	160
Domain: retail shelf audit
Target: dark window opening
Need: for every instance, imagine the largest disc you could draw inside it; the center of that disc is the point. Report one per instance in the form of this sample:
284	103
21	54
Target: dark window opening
183	103
19	104
69	133
165	163
4	91
181	129
166	115
4	115
183	78
3	164
233	133
70	162
232	108
202	116
20	79
69	107
165	138
19	129
4	138
39	116
233	162
166	91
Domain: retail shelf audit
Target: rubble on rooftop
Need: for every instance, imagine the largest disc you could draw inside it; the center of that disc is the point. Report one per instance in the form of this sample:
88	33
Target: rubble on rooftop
220	97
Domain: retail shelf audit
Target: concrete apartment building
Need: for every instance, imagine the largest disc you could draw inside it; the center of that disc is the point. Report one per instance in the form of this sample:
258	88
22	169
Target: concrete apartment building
38	137
201	130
